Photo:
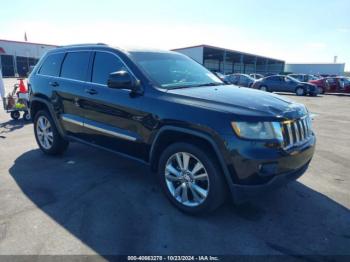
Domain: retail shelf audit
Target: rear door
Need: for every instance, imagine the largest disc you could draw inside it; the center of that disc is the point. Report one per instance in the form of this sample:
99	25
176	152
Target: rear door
70	89
244	81
332	85
111	116
288	84
274	83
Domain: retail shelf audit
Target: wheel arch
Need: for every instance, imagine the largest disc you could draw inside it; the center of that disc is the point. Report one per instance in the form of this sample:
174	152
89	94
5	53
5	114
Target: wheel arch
37	104
300	86
322	88
168	135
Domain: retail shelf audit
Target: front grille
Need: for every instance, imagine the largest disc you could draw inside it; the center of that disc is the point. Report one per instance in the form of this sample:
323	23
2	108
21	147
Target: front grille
296	132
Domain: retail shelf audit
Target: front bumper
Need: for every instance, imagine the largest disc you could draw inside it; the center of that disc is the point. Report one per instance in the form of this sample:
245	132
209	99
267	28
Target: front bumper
242	193
255	167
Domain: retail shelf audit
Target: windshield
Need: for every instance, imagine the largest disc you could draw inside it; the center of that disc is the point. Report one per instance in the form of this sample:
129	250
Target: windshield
171	70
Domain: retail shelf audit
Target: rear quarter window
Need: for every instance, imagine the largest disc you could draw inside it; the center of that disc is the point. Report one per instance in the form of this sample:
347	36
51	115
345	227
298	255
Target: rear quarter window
75	65
272	78
52	65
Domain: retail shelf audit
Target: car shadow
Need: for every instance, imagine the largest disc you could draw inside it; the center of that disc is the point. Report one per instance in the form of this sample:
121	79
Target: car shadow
12	125
115	206
338	94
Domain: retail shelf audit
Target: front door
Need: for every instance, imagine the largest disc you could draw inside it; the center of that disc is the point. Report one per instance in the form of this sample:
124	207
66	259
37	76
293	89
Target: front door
112	116
289	84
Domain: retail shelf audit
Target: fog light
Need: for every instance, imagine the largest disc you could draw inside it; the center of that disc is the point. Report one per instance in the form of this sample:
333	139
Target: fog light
268	169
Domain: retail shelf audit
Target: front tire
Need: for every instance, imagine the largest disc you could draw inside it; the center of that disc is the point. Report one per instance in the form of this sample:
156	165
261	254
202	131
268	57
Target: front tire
47	136
191	180
264	88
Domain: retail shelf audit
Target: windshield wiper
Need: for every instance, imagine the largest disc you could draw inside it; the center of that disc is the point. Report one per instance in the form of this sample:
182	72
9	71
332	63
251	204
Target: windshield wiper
208	84
196	85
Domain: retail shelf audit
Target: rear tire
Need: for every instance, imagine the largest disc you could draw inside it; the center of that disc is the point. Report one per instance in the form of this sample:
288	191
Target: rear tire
47	136
321	90
191	190
300	91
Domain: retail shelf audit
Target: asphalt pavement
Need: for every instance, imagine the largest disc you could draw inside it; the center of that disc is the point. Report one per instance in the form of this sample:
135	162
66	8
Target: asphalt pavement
89	201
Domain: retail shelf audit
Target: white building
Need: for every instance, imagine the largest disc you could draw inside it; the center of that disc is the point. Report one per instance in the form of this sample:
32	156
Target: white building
229	61
17	57
316	69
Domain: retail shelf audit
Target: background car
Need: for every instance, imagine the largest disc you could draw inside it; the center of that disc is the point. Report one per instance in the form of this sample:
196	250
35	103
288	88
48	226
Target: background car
332	84
282	83
303	77
222	77
256	76
240	80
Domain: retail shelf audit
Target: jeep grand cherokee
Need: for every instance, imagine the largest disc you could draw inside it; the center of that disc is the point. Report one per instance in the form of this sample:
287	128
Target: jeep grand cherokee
203	138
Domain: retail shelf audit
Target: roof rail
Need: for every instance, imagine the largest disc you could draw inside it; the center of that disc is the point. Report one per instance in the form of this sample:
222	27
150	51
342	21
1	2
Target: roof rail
77	45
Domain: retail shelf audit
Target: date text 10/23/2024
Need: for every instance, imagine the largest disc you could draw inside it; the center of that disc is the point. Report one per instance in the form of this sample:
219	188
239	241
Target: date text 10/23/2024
173	258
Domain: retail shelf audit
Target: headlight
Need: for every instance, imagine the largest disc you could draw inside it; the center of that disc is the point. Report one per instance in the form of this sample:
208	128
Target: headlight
258	130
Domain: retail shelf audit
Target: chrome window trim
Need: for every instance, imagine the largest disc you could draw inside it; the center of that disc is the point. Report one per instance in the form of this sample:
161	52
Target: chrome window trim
89	82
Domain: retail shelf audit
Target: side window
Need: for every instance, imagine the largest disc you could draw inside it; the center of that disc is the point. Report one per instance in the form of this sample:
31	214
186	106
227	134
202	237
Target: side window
52	65
104	64
330	81
75	65
234	78
244	80
274	78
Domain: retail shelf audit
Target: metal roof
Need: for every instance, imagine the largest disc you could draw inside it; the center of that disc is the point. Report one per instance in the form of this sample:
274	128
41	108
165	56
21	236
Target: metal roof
227	50
23	42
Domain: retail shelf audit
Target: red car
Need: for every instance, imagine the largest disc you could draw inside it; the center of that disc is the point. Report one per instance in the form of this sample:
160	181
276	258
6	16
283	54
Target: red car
332	85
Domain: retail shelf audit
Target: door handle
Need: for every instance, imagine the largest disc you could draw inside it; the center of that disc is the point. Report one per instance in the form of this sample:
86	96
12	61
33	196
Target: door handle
54	84
91	91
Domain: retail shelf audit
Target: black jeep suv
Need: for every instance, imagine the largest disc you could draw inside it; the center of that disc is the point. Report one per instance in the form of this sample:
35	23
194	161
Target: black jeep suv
203	138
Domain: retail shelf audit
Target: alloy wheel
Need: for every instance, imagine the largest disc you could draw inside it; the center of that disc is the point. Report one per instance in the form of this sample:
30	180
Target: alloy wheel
187	179
44	132
300	91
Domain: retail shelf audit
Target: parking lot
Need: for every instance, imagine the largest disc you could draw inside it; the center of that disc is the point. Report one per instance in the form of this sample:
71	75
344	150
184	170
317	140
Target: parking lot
90	201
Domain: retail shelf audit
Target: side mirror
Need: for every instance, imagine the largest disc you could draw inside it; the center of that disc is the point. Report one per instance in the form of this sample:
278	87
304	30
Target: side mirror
122	80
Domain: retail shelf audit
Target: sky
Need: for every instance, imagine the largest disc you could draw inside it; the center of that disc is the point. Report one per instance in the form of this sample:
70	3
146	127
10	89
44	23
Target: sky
294	31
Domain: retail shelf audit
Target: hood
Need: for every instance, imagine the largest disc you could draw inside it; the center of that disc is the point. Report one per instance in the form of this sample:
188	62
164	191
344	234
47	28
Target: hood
245	102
